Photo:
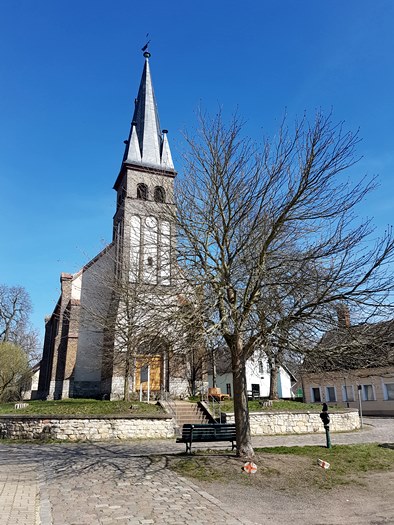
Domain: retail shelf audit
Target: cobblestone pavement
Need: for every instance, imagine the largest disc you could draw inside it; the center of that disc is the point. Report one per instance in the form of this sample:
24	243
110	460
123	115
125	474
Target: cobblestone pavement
128	483
18	494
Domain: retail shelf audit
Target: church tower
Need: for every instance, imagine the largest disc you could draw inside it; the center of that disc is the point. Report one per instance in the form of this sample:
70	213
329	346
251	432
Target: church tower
143	235
144	241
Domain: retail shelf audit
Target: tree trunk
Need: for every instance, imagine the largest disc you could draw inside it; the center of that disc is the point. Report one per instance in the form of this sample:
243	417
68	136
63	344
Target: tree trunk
274	381
127	370
241	410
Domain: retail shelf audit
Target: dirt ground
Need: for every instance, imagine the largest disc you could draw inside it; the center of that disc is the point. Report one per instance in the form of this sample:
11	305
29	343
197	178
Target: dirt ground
294	491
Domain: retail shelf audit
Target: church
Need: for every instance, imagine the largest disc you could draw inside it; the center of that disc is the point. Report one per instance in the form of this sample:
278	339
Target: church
104	333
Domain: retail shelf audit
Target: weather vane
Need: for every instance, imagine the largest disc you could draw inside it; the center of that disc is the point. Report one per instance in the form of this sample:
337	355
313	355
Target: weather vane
145	47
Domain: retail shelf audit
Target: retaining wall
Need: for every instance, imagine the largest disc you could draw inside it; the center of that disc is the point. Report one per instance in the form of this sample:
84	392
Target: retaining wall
106	428
82	428
269	423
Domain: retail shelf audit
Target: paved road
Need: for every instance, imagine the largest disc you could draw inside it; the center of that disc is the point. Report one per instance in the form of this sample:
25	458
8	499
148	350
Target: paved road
128	483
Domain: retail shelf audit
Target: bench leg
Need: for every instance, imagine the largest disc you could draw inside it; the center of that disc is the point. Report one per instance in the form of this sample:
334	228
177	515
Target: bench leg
188	447
233	445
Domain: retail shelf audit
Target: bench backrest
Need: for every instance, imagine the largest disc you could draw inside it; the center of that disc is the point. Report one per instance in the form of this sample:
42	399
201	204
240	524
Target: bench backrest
200	432
214	391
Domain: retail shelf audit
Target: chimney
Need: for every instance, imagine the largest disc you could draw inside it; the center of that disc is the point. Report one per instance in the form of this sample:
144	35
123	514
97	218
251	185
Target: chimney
343	316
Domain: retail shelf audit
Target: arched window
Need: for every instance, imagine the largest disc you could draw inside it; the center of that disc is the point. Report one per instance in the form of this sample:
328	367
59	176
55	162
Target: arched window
142	192
160	194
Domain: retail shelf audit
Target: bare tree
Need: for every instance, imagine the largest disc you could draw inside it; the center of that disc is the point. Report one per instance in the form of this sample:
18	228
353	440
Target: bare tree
142	322
271	235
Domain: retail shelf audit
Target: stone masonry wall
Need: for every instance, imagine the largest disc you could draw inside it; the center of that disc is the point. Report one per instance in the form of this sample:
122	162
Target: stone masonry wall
269	423
115	428
93	429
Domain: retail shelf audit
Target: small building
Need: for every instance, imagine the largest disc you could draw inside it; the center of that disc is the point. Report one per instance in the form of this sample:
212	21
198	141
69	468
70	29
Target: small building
353	365
258	377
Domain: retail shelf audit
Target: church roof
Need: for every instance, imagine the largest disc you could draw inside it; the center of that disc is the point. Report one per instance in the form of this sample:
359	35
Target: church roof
147	145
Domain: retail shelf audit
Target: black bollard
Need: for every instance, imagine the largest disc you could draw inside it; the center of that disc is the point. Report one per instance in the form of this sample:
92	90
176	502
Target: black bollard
324	416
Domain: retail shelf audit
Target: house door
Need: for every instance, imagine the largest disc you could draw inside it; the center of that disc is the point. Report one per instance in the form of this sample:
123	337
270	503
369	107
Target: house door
255	391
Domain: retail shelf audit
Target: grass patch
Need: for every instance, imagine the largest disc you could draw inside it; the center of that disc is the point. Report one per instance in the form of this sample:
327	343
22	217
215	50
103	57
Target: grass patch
344	459
81	407
291	468
203	469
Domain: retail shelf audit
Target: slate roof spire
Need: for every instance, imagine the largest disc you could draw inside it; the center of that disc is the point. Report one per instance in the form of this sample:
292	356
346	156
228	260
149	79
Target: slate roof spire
146	144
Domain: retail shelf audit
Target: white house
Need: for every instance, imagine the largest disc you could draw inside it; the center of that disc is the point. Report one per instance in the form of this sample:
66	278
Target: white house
258	377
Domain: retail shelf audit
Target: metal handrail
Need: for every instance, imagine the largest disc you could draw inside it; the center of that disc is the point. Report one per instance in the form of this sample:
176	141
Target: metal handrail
215	407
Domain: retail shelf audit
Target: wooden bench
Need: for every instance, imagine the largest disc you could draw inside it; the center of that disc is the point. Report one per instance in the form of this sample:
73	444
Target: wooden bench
216	393
207	432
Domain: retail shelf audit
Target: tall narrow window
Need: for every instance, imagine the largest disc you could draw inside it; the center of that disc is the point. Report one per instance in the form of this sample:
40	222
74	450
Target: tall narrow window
347	393
368	393
160	194
389	391
142	192
316	397
330	394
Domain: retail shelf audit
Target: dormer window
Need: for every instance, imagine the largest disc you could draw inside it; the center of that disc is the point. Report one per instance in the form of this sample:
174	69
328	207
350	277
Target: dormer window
142	192
160	194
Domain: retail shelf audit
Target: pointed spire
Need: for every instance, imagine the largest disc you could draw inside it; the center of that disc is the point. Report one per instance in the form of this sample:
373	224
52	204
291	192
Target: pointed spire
166	157
133	152
146	144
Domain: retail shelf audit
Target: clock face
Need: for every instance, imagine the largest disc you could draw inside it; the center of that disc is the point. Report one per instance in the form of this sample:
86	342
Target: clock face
150	222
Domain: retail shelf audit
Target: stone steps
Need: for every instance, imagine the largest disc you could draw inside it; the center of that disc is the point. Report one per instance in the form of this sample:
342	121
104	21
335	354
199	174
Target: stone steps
188	413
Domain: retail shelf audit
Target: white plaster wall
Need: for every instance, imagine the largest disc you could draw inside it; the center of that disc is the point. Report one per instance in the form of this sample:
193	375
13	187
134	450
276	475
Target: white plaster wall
256	375
285	382
76	286
96	294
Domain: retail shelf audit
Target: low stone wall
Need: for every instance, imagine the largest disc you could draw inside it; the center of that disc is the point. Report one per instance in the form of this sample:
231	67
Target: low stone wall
269	423
106	428
83	428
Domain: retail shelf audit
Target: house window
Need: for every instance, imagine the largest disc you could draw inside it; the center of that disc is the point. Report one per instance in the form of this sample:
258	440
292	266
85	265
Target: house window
228	389
330	394
389	387
347	393
368	394
150	261
142	192
316	397
261	367
159	194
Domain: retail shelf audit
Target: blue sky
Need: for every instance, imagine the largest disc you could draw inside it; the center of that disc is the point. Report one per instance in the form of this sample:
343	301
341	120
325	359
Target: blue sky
69	73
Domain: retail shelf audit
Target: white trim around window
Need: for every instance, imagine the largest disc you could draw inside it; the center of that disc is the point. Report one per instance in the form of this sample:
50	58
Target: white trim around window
368	392
348	393
332	389
388	390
